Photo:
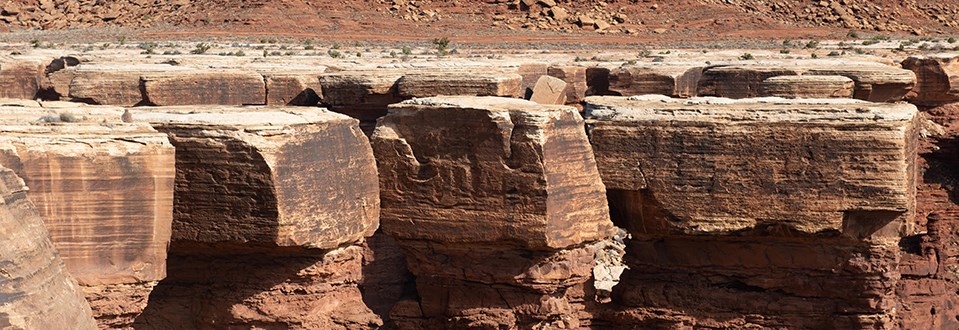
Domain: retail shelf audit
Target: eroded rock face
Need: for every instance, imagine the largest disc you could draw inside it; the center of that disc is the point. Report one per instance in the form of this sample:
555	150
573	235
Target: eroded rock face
679	80
112	84
21	77
735	204
271	204
694	162
105	192
474	83
575	78
936	79
36	291
293	89
497	207
363	95
287	158
549	90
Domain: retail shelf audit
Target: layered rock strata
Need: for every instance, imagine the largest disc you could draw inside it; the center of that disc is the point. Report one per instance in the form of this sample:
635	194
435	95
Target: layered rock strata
36	291
498	205
734	204
270	203
678	80
105	192
820	87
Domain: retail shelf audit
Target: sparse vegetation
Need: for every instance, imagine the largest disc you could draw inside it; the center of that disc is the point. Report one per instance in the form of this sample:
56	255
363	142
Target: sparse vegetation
67	117
869	42
813	55
201	48
951	40
812	44
784	51
407	51
441	45
746	56
852	34
334	53
834	53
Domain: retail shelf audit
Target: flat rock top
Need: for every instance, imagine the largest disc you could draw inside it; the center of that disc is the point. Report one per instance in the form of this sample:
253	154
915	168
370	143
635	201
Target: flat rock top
799	79
243	116
490	103
767	109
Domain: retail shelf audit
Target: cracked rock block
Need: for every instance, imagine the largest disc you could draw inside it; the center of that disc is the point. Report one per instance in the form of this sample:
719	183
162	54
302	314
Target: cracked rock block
105	192
549	90
498	204
36	291
269	176
735	203
575	78
808	87
874	82
215	87
678	80
935	75
112	84
471	83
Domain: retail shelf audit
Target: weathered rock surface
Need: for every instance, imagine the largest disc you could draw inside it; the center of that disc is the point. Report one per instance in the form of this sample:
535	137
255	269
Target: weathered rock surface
36	291
692	164
269	176
549	90
807	87
937	77
679	80
270	205
112	84
221	87
473	83
293	88
20	77
363	95
105	192
575	78
734	204
873	81
497	203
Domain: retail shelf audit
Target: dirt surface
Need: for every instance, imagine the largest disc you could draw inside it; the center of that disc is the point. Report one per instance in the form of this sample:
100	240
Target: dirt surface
484	21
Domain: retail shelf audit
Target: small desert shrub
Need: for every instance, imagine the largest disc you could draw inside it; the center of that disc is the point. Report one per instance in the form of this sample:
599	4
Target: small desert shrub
68	117
201	48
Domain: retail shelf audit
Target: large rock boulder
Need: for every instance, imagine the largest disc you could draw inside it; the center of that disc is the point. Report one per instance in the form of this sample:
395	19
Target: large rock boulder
807	87
673	79
220	87
21	76
736	203
498	204
36	291
460	82
111	84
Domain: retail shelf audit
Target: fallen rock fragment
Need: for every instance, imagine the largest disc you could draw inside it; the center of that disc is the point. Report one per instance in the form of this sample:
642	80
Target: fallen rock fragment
679	80
575	79
549	90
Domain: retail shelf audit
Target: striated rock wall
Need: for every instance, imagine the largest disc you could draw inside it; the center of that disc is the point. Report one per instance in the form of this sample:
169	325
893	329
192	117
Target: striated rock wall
36	291
498	209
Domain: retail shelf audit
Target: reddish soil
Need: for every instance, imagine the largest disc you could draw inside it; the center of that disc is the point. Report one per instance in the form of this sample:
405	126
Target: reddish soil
492	21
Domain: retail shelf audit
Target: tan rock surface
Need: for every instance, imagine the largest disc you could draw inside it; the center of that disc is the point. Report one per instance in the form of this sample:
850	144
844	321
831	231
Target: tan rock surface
549	90
293	89
21	76
807	87
677	79
311	172
575	78
699	167
220	87
36	291
112	84
453	82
